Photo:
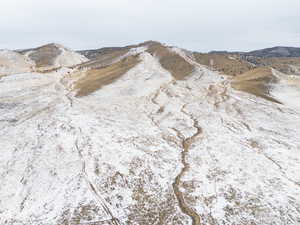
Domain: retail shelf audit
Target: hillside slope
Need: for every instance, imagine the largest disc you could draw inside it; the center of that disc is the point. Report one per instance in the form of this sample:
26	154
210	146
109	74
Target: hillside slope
151	144
52	56
12	62
283	59
279	51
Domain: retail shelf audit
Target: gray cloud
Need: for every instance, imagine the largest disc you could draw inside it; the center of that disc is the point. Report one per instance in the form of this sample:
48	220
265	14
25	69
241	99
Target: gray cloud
201	25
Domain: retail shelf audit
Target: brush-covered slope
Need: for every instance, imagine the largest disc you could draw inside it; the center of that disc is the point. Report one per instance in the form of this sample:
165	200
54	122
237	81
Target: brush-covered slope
279	51
146	147
287	65
283	59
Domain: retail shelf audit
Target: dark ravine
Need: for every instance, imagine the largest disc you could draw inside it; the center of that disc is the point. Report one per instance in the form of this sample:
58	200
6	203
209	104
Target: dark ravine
186	143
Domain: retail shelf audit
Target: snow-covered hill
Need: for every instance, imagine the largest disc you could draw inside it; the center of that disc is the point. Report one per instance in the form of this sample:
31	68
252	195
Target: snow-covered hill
53	56
42	59
12	62
147	147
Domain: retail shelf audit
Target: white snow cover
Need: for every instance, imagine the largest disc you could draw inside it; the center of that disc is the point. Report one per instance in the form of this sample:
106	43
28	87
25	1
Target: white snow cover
288	91
69	58
13	62
112	157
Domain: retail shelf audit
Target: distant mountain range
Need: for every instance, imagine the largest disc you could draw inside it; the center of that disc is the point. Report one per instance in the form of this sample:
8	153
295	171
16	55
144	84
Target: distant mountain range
278	51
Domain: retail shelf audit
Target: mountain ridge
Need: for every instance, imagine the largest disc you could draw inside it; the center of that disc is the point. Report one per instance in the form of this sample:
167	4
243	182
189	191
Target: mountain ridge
276	51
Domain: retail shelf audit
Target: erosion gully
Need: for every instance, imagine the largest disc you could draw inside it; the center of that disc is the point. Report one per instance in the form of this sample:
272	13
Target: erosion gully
186	143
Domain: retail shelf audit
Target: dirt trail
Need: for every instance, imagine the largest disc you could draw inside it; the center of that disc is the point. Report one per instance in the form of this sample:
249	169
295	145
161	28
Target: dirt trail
186	143
114	220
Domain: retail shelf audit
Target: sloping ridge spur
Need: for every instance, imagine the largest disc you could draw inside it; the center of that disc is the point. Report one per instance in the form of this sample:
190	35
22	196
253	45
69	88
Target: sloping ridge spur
258	82
228	64
93	79
114	63
50	57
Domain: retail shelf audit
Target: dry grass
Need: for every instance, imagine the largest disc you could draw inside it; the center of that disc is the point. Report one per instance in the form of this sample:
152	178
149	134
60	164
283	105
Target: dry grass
256	82
281	64
108	55
227	64
171	61
94	79
106	58
44	56
262	73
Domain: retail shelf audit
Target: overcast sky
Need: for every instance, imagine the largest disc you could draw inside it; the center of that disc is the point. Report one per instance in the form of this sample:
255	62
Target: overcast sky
201	25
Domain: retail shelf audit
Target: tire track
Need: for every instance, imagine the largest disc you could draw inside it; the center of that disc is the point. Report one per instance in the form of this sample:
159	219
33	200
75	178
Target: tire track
93	189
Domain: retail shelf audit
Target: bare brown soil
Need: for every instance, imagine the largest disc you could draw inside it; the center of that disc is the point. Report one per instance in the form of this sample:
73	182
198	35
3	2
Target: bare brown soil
94	79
